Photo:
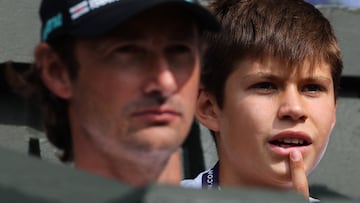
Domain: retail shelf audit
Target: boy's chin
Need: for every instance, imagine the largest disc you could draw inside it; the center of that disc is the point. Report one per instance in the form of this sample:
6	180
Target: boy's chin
281	172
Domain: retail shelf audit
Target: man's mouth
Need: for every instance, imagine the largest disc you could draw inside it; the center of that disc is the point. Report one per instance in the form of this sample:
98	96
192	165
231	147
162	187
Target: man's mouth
157	115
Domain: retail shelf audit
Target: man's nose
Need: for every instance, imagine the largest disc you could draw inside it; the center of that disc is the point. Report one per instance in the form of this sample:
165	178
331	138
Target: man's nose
161	78
292	105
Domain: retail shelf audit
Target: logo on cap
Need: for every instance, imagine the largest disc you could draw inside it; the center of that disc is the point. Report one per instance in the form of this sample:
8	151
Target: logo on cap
52	24
86	6
79	9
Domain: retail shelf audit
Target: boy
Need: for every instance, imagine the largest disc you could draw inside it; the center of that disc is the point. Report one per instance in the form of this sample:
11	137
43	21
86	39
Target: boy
269	87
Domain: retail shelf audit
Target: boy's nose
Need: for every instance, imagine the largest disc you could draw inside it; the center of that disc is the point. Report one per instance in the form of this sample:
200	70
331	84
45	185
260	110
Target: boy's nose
291	106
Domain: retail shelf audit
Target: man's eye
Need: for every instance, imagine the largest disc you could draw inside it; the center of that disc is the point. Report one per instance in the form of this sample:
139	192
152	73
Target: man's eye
129	49
177	49
180	56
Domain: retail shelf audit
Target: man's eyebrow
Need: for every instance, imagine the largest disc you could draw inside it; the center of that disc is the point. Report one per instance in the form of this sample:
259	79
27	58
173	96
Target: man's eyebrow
183	37
126	35
138	36
117	36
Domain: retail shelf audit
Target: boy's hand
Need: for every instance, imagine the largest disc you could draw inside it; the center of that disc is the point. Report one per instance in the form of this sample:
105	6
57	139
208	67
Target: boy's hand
298	174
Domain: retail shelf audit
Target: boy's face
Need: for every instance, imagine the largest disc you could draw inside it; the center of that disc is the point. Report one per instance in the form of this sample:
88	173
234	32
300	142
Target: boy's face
267	113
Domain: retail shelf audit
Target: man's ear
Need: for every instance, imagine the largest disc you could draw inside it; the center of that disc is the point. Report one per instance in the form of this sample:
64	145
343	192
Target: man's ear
53	71
207	111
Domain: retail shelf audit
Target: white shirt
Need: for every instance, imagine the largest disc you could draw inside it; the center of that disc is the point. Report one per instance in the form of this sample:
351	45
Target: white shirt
196	183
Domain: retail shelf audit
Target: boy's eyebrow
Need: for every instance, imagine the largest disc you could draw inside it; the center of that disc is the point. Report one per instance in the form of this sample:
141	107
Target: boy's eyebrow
323	79
267	75
271	76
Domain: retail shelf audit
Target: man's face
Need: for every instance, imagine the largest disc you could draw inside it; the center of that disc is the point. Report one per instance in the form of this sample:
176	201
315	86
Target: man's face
269	111
137	86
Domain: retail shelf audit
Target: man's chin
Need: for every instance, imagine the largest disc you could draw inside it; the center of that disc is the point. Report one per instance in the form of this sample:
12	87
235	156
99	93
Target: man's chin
160	138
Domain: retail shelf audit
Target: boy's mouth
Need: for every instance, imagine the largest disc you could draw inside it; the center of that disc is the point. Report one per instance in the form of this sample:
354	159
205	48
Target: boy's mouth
290	142
282	143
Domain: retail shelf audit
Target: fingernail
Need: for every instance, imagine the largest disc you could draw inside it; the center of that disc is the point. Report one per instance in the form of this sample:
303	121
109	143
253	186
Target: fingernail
295	155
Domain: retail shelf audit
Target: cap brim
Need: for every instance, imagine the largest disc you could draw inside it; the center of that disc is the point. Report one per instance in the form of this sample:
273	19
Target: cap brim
106	19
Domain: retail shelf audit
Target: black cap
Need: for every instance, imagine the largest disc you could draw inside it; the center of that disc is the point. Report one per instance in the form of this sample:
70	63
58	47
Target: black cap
92	18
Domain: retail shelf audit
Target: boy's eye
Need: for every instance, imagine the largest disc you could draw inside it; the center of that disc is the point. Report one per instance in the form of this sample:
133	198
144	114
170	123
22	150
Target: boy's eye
264	87
312	88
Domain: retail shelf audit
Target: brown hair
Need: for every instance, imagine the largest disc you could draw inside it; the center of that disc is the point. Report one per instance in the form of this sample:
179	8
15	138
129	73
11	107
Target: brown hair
56	120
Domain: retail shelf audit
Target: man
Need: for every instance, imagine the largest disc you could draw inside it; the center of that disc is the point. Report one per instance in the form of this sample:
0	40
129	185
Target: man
118	81
272	105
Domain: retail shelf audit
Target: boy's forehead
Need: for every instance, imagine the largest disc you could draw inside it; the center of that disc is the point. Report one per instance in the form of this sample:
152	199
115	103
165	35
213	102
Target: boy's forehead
273	64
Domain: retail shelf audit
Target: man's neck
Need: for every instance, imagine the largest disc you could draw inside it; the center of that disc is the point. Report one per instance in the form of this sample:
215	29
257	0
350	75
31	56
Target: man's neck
171	174
152	168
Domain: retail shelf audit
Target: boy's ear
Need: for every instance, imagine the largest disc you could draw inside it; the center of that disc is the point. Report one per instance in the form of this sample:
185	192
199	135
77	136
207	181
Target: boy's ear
207	111
53	71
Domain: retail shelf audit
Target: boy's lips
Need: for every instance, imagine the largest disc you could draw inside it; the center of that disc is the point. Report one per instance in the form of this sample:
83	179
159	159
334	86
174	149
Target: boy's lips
284	142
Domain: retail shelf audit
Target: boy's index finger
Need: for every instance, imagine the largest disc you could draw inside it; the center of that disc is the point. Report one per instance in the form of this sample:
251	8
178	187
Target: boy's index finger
298	174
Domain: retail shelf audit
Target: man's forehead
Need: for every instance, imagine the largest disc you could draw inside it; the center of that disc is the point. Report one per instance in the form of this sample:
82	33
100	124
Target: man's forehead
145	28
164	12
171	24
138	33
171	32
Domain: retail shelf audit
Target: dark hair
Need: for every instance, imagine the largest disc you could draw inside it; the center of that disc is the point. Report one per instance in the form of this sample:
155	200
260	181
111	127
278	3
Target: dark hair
56	119
290	31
